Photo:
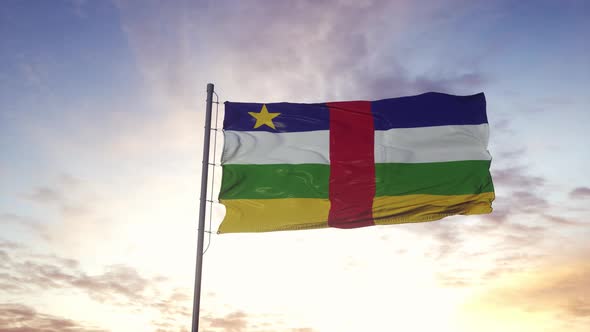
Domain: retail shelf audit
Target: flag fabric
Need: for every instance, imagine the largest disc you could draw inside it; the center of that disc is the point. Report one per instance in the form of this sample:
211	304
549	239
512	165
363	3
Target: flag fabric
289	166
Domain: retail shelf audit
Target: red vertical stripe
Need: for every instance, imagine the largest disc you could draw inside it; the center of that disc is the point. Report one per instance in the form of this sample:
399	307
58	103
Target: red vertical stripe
352	164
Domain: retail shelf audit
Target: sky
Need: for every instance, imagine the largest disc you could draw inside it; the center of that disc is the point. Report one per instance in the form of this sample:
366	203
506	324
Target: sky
101	138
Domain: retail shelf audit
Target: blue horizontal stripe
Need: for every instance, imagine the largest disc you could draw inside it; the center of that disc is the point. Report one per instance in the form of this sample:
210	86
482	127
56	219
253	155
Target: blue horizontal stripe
428	110
292	118
425	110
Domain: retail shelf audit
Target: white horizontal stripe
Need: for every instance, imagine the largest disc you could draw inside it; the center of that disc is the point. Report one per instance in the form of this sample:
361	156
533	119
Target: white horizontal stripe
400	145
432	144
260	147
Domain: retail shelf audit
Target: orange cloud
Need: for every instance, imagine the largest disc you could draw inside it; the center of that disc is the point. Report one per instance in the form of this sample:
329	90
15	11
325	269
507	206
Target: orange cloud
553	296
21	318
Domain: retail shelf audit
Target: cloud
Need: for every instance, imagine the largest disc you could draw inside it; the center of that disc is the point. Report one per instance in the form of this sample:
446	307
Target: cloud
529	201
68	207
400	82
556	289
119	284
580	192
232	322
25	273
22	318
449	238
175	303
45	195
65	183
9	244
481	268
28	223
117	281
517	177
551	294
517	193
240	321
294	50
172	309
562	221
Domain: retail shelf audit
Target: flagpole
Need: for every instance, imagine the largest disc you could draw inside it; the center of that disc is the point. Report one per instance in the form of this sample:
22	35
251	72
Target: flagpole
202	209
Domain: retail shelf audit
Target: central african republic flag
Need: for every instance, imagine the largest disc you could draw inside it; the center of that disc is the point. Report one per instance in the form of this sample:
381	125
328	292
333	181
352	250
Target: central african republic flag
290	166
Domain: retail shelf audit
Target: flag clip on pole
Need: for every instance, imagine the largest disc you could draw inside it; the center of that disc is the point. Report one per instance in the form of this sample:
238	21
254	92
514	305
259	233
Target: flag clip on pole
202	208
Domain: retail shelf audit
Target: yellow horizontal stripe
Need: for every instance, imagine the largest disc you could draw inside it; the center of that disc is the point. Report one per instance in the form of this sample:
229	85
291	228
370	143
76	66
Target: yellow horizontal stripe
265	215
417	208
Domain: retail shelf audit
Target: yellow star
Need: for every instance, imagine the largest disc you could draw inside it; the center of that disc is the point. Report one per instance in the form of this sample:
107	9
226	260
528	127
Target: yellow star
264	118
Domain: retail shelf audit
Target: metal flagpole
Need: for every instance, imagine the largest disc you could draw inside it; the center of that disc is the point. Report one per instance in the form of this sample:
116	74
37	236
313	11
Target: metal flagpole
202	208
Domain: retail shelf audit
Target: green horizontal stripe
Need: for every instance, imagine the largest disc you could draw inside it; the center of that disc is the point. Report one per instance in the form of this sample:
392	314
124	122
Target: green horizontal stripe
395	179
443	178
275	181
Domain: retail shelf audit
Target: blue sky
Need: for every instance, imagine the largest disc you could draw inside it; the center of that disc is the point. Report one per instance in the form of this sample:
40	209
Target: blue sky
101	125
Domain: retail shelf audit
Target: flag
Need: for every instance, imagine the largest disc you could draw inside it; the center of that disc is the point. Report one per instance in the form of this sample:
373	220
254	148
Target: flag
289	166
